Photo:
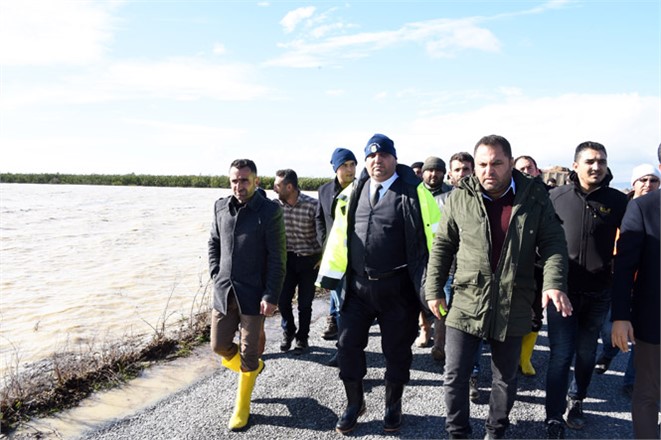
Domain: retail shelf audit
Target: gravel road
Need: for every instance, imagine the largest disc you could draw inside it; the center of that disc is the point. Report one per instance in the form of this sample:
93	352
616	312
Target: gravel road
299	397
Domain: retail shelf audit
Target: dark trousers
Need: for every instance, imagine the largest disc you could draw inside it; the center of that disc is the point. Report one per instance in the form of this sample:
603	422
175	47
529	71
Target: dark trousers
645	399
301	273
576	335
460	349
394	304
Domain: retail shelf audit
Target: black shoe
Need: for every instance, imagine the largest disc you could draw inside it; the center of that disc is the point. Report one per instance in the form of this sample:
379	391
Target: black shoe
287	339
301	346
474	392
555	429
602	364
575	416
333	361
331	329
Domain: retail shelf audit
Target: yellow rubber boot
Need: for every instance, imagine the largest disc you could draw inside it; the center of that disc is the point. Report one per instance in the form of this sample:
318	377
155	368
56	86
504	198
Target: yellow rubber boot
234	363
241	413
527	346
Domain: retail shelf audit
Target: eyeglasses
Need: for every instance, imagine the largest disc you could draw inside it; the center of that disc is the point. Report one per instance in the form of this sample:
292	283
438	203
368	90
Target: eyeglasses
648	179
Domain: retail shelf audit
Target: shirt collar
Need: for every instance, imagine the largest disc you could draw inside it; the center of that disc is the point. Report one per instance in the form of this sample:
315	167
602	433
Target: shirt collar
511	187
384	185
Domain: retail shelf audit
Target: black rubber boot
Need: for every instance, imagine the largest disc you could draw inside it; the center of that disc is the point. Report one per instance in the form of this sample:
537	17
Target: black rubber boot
355	407
392	420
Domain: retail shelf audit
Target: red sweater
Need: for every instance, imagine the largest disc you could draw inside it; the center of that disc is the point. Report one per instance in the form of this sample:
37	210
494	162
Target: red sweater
499	212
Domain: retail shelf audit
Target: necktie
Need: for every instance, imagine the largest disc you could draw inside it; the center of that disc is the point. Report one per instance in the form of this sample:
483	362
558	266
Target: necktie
375	195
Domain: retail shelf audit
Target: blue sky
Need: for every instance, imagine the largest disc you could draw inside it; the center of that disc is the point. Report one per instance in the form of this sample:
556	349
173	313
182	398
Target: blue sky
156	87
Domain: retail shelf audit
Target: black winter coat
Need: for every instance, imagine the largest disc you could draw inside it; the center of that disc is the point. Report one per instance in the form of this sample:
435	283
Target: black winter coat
247	253
590	222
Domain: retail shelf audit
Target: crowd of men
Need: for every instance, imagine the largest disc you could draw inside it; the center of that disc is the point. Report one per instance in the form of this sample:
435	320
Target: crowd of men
451	259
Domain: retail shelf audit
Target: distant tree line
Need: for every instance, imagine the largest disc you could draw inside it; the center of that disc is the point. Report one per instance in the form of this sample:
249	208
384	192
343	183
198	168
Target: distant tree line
305	183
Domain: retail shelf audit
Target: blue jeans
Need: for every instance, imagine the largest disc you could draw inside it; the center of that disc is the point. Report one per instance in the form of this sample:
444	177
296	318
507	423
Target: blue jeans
576	335
447	289
335	305
609	352
460	349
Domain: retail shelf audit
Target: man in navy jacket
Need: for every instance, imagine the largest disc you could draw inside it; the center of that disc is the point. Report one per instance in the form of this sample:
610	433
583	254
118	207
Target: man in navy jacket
636	304
344	165
590	212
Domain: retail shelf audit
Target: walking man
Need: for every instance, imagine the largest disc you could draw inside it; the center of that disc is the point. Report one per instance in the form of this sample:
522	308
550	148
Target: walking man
380	241
636	304
461	165
433	175
344	165
493	223
247	266
303	255
528	165
591	212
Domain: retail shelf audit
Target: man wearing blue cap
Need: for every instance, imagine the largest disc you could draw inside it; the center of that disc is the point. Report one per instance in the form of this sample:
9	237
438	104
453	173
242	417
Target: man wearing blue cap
344	166
379	245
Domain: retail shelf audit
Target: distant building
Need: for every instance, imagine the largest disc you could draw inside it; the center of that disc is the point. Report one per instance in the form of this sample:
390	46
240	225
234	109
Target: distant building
560	174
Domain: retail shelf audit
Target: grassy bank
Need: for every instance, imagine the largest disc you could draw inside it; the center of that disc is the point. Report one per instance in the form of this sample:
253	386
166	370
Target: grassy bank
70	375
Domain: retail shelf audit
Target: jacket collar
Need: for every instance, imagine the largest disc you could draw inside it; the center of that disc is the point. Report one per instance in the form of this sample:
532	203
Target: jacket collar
573	177
520	182
254	203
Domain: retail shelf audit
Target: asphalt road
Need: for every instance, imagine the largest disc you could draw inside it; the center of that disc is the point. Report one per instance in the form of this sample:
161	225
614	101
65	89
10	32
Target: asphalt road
299	397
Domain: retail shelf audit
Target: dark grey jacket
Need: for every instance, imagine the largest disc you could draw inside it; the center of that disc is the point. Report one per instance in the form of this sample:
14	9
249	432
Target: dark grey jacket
247	253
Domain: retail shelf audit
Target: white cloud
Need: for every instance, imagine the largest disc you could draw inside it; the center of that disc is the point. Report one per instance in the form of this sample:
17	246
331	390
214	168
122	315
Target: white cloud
129	145
511	91
323	30
550	128
293	18
44	32
441	38
380	96
263	4
219	49
178	79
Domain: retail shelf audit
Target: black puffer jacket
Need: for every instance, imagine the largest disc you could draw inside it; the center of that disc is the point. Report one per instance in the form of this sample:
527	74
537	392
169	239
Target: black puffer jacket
590	222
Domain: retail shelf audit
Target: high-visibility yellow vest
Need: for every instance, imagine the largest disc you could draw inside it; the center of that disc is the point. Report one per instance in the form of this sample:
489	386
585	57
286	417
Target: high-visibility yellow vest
335	259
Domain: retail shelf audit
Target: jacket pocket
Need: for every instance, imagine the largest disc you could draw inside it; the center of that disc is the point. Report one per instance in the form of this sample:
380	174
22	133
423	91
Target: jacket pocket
468	292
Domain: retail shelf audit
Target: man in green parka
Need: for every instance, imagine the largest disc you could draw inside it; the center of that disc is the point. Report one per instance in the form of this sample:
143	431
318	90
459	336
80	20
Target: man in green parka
494	223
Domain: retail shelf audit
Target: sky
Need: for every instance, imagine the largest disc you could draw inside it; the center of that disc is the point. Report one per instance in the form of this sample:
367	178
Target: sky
185	87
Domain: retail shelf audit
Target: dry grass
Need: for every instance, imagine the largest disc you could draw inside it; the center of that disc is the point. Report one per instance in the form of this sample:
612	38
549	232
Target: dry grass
73	373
